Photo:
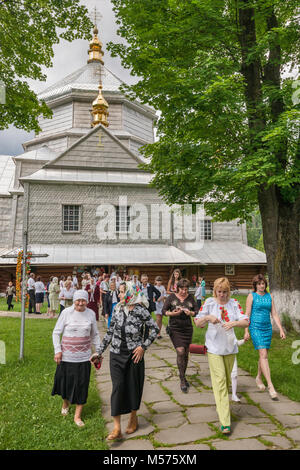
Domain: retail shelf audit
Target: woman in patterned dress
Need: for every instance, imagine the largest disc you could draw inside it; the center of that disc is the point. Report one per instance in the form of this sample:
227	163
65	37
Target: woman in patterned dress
129	320
260	307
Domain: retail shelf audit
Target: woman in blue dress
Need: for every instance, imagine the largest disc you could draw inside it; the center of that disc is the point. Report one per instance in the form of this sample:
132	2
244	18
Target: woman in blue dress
260	307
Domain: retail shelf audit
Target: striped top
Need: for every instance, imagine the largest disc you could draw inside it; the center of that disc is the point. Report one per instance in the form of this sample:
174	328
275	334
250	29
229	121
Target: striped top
79	332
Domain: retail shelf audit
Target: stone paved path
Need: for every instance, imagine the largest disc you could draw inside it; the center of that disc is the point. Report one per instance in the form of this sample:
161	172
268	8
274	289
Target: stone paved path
170	419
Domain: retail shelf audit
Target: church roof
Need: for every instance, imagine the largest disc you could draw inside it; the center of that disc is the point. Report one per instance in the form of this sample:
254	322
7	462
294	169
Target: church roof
224	252
7	173
103	254
42	153
87	78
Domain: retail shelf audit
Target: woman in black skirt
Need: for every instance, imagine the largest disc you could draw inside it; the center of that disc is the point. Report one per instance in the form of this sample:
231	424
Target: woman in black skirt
180	307
130	319
78	327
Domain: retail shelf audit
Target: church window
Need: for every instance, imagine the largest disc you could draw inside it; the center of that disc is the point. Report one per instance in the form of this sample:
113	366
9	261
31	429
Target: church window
205	230
122	219
71	218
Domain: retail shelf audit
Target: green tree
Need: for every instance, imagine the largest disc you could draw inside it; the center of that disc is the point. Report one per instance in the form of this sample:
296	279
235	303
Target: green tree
254	229
229	126
28	32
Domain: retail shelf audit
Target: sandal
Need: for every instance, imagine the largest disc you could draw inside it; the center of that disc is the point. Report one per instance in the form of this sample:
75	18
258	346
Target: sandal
273	393
115	435
79	423
65	411
225	429
260	384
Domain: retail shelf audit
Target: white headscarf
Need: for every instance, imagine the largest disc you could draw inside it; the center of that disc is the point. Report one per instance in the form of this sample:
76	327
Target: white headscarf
81	294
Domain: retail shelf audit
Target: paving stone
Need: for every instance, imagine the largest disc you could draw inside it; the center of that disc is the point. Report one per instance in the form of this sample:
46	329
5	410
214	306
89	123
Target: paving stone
153	393
277	407
154	363
169	420
201	398
185	433
159	374
132	444
268	427
166	407
289	421
279	441
243	430
294	434
246	411
106	413
205	379
264	397
202	414
240	444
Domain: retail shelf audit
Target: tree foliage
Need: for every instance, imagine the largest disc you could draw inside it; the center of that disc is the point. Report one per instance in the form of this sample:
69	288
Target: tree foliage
28	32
223	138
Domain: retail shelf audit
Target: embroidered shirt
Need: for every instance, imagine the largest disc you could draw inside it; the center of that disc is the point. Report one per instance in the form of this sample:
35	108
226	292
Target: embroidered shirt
219	341
79	332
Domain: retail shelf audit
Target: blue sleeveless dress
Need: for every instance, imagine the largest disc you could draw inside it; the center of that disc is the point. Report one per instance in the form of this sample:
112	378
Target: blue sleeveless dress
260	321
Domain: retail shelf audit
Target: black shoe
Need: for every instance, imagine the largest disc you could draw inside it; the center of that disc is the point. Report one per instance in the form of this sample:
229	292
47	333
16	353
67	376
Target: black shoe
183	387
187	383
159	337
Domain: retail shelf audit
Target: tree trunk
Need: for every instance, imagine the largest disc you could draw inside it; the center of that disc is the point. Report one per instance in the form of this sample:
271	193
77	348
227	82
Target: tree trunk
280	219
280	223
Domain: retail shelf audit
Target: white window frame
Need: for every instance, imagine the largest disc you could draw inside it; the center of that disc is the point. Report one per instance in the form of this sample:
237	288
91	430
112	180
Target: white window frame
79	218
123	226
204	232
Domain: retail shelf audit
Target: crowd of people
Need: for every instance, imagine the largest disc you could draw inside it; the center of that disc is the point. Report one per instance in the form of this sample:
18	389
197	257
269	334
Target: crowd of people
128	305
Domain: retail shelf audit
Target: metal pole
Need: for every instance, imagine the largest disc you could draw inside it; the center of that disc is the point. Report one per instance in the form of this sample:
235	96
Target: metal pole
24	281
24	290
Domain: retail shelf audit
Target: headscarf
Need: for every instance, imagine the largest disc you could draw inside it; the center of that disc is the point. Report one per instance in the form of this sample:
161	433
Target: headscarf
134	295
81	294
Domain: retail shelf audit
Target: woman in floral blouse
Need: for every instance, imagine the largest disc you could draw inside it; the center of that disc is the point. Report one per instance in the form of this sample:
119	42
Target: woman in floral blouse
130	319
222	314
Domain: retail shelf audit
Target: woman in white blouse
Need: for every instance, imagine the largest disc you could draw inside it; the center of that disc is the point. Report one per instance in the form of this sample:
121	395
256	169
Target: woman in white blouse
77	325
222	314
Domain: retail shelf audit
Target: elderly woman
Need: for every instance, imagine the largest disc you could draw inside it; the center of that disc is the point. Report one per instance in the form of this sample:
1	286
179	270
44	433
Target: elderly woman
128	345
222	314
260	308
180	307
54	291
77	325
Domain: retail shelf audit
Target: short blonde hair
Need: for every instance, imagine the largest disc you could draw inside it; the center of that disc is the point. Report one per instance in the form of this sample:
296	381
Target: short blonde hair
222	283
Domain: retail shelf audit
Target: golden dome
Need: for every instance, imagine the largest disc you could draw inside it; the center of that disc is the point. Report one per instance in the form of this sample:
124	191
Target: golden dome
95	51
100	110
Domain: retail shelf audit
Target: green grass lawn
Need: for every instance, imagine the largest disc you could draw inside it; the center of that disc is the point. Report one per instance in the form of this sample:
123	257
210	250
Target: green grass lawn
29	416
17	306
285	375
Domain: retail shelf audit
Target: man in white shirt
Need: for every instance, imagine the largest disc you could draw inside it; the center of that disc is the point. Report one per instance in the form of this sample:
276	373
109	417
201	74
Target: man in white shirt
31	292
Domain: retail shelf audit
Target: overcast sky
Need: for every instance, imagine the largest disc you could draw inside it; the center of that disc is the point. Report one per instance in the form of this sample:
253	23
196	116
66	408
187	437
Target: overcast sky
69	57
